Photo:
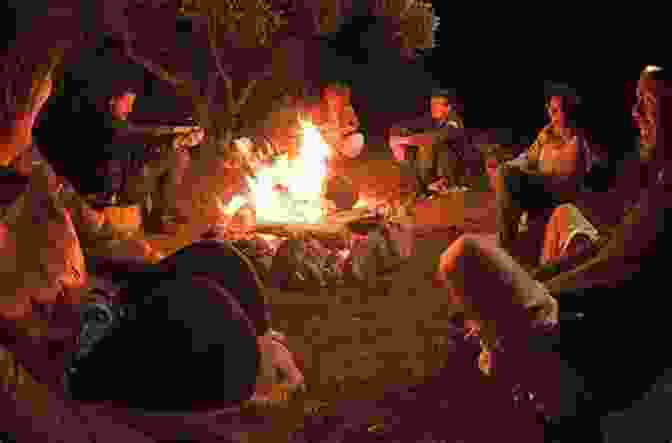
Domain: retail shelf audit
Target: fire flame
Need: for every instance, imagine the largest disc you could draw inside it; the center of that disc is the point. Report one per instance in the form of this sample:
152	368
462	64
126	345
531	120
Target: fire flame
290	190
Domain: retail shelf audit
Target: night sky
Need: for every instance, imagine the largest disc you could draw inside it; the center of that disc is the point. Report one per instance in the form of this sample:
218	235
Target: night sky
497	59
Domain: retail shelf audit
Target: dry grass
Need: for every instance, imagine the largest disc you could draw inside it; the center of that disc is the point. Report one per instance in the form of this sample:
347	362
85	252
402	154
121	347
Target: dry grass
356	343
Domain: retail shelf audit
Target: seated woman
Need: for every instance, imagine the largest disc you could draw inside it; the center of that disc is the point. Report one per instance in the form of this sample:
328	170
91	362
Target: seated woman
548	174
577	230
509	308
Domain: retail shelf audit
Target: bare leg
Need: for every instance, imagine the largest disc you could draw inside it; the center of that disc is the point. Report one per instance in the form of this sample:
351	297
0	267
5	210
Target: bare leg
568	235
507	302
493	287
557	231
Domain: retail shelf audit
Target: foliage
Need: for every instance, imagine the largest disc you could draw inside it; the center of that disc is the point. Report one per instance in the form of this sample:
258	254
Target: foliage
252	23
256	52
244	35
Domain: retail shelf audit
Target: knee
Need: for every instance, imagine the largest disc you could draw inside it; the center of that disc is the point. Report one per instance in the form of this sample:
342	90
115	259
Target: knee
471	244
560	215
457	249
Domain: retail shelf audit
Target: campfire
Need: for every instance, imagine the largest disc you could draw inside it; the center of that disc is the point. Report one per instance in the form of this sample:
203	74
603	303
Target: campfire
290	190
287	227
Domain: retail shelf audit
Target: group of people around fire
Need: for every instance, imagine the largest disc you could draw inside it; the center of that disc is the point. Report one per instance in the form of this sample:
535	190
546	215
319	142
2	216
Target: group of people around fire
196	332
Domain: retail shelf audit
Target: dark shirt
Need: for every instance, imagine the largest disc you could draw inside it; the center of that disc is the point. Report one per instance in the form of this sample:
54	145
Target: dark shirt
426	123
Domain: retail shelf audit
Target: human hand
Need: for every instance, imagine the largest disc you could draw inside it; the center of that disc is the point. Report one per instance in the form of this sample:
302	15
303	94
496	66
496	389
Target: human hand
425	139
545	272
190	139
396	140
398	145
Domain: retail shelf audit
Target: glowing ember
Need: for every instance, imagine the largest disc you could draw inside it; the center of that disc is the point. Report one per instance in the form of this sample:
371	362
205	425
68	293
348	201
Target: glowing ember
290	191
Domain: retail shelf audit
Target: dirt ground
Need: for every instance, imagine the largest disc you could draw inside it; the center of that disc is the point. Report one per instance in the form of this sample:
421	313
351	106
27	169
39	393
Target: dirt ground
356	343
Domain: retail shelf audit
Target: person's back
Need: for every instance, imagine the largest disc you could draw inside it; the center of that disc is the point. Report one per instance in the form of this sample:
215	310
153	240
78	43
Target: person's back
43	276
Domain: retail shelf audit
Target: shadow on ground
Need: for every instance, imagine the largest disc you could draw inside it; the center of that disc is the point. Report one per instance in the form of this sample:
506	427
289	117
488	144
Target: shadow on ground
357	343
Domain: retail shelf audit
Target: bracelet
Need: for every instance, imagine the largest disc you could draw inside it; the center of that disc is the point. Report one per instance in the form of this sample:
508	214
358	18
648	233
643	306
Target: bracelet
553	268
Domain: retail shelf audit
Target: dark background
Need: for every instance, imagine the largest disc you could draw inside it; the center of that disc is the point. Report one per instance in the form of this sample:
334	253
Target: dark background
499	62
498	59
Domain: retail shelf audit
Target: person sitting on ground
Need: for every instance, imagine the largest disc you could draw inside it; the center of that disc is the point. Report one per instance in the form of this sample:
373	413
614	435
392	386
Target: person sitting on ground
280	132
136	261
549	173
44	273
434	146
107	223
160	164
338	122
508	307
576	231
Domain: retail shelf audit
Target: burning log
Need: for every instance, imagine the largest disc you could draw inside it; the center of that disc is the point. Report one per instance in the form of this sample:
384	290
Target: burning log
300	261
319	235
334	232
333	235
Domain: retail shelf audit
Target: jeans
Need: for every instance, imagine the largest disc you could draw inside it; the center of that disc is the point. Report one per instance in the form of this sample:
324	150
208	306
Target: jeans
428	165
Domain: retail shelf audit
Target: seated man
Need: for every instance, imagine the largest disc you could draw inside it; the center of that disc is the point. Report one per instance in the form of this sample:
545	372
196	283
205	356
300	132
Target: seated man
108	223
339	125
338	122
433	146
43	274
112	238
509	307
151	175
548	174
280	132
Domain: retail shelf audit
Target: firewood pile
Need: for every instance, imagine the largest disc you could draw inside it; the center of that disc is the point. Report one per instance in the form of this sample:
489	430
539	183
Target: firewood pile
349	247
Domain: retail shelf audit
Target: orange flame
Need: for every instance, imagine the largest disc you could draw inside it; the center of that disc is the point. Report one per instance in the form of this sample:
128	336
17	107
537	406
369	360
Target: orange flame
291	190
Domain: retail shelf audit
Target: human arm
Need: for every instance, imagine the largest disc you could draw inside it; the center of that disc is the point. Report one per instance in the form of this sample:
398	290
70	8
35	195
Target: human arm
528	160
438	136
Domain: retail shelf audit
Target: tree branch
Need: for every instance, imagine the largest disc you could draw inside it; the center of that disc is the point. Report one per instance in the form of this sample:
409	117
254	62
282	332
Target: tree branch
245	94
212	38
153	67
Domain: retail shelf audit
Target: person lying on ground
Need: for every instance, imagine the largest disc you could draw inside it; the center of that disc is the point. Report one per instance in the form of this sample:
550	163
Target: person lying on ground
44	272
117	244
